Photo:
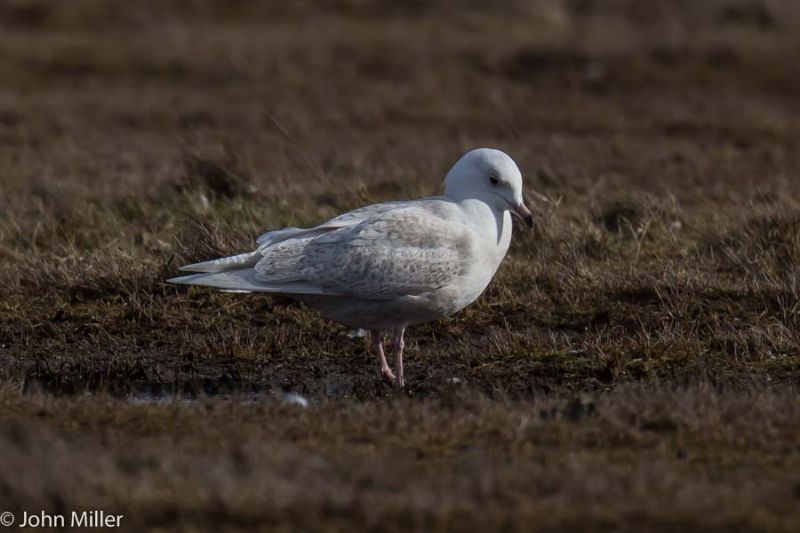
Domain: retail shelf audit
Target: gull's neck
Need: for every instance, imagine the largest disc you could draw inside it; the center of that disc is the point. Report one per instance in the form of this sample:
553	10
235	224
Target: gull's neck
489	220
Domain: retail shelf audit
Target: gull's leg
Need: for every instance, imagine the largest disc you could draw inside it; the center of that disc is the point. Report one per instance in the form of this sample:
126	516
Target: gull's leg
399	344
377	343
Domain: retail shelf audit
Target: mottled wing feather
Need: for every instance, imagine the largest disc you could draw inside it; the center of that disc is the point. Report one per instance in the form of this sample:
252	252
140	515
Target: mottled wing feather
280	261
405	251
344	220
360	214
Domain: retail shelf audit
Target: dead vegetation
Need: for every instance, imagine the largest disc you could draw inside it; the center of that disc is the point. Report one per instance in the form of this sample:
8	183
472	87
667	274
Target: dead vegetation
632	367
638	458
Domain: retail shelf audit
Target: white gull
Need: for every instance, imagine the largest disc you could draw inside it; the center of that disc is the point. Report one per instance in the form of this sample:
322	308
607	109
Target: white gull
388	266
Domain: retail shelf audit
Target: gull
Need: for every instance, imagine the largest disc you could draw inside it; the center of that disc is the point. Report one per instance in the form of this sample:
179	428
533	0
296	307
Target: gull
388	266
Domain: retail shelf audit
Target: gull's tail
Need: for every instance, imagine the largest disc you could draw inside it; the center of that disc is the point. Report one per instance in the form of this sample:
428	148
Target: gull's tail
226	264
244	280
276	268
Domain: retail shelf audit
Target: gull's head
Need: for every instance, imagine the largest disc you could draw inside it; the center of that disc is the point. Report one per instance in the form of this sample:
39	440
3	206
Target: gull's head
490	176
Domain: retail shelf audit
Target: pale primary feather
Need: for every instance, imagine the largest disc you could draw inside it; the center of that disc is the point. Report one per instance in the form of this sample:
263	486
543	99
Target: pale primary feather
244	280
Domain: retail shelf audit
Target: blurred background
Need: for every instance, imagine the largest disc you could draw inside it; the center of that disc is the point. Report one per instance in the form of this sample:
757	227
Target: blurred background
122	98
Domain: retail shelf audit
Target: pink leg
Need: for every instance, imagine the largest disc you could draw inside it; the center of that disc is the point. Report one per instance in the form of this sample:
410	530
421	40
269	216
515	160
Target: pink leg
399	344
377	343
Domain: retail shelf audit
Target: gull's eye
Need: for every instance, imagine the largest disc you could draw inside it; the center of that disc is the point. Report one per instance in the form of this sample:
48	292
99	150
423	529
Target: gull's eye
493	180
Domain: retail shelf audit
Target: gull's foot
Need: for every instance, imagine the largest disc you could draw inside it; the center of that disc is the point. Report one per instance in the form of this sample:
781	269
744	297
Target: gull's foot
388	374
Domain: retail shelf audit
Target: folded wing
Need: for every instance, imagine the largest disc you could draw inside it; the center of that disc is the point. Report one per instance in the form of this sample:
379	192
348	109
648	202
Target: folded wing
376	252
404	251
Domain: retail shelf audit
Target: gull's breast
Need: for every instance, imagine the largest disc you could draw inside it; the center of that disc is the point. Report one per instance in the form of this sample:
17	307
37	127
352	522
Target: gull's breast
482	253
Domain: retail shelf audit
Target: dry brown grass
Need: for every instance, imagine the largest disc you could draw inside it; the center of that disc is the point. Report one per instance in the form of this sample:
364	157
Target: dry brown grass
632	367
633	459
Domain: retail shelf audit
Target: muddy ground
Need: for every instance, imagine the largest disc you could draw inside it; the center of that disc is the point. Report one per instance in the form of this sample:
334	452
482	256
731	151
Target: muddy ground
633	366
